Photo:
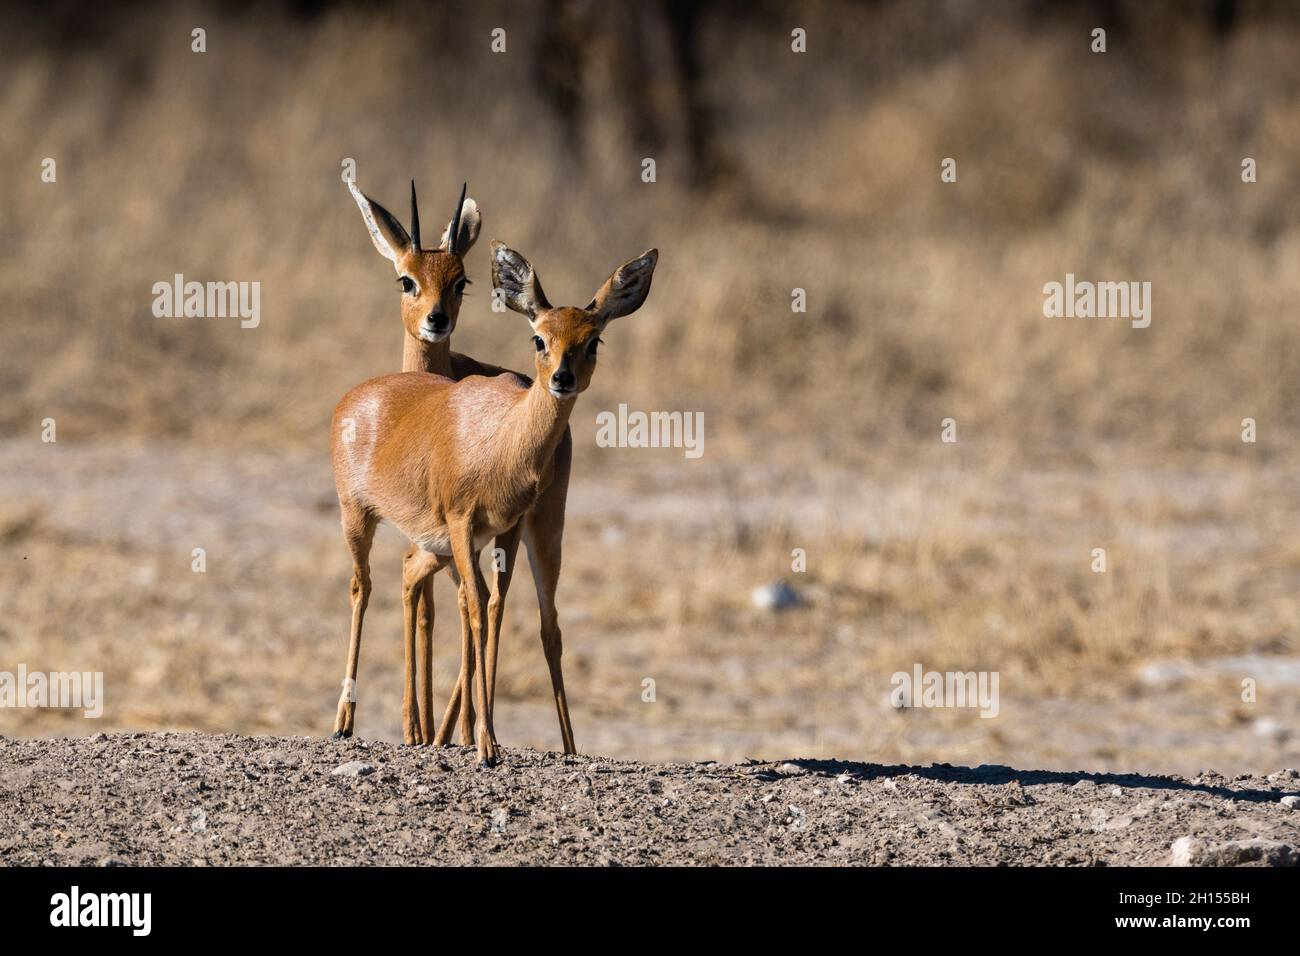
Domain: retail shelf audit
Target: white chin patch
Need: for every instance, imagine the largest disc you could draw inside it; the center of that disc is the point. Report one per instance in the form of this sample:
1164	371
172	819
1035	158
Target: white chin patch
562	395
428	336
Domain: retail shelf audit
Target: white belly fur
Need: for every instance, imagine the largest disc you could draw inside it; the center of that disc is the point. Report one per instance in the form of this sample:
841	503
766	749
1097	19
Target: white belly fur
440	543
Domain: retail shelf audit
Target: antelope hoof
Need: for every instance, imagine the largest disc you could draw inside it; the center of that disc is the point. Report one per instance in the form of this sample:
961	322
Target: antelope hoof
341	734
487	752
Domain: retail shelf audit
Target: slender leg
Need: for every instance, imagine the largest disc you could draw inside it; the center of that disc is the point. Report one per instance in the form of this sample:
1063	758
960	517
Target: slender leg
546	522
460	691
544	556
424	654
417	569
465	725
475	590
543	534
508	543
359	532
449	715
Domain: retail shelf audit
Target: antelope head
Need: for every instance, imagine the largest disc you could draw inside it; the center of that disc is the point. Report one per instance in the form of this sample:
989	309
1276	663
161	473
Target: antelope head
566	338
432	281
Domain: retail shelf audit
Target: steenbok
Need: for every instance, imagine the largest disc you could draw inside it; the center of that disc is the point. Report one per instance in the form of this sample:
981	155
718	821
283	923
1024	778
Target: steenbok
432	283
453	464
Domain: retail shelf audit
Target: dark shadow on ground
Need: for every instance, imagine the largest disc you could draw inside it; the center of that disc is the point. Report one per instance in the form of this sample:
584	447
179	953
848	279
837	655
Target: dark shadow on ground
996	774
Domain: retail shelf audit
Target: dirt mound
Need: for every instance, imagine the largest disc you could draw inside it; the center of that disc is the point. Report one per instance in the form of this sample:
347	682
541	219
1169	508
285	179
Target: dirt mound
144	799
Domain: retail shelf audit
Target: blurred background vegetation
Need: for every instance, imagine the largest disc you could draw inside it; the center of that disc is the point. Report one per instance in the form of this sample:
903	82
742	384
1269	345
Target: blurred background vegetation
774	171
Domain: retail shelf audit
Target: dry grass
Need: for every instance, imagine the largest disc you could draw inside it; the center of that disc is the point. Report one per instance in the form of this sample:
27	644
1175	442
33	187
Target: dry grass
924	298
924	302
955	568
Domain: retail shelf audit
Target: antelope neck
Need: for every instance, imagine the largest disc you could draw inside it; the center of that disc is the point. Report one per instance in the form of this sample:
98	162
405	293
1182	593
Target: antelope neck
542	416
421	356
543	419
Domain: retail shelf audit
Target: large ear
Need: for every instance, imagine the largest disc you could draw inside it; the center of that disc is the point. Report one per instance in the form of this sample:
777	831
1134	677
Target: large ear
625	291
514	276
385	231
470	222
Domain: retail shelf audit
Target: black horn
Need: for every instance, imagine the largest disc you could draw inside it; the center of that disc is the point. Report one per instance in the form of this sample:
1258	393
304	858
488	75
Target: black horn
415	220
454	228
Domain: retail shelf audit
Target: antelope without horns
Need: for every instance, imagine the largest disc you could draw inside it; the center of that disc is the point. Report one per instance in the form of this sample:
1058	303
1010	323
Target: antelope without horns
453	464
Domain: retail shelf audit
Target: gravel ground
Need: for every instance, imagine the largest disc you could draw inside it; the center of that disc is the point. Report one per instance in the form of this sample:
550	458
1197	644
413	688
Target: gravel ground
149	799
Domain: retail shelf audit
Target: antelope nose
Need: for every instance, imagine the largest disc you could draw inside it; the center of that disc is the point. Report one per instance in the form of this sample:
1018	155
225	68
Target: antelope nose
438	321
562	380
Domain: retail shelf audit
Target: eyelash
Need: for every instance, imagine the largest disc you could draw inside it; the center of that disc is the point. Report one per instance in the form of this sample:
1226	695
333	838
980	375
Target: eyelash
591	349
408	285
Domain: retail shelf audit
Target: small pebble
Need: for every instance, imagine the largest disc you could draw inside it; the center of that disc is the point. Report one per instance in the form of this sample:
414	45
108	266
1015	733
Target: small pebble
353	768
778	596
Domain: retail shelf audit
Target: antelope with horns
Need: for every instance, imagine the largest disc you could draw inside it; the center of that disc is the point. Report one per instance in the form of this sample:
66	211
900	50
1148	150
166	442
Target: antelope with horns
432	283
454	464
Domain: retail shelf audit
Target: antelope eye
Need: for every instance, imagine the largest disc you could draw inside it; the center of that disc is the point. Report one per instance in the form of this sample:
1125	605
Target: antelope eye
460	286
591	348
537	341
407	284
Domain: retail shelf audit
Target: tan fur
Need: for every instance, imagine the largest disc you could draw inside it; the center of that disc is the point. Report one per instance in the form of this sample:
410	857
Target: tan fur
541	531
453	464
